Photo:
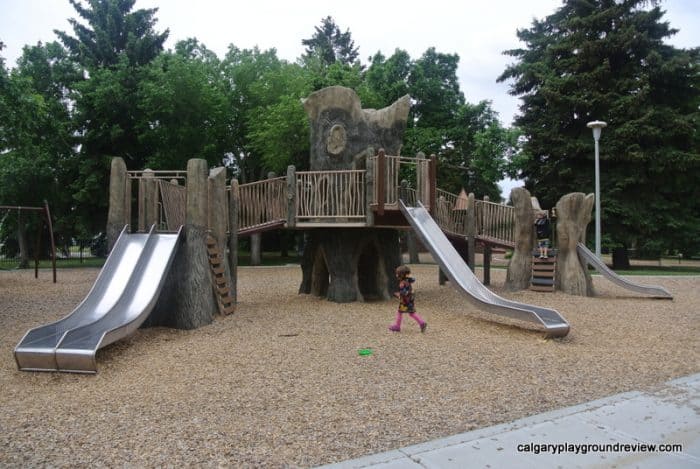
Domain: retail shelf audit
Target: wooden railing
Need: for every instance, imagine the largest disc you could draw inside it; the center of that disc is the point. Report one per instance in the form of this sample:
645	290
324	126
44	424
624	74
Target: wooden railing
450	213
324	195
173	198
389	171
495	222
262	203
160	199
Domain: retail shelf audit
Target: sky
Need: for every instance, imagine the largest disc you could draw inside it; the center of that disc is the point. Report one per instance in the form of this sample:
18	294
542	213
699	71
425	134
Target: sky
477	30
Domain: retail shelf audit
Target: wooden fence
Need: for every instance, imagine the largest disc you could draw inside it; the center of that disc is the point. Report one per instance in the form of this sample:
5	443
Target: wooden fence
339	195
262	202
495	222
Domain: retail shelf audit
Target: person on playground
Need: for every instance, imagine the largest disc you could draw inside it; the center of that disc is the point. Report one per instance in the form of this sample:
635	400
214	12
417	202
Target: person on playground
543	232
406	299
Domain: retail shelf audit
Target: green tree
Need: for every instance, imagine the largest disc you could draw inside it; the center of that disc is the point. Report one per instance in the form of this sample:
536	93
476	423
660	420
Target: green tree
607	60
37	160
183	108
112	46
113	30
330	46
468	139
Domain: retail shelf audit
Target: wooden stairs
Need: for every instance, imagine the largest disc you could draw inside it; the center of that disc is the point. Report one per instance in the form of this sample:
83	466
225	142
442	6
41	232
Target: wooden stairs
218	272
543	271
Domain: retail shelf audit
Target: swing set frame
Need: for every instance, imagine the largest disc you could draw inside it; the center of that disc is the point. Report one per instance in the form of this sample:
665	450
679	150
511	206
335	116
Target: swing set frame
47	219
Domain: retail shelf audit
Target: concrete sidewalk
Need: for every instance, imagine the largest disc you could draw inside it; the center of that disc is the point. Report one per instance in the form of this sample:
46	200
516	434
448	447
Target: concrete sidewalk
669	415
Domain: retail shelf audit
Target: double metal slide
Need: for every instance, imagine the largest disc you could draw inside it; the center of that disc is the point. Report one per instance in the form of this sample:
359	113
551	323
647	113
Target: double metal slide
122	297
464	280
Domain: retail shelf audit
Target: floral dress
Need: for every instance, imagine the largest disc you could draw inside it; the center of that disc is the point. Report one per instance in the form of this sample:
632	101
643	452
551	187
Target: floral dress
406	297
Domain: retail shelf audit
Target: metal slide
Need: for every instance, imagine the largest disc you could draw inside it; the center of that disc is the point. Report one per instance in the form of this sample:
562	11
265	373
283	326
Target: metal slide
131	278
463	279
597	264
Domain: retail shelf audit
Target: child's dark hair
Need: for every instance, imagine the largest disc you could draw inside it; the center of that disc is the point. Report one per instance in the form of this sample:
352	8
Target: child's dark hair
403	270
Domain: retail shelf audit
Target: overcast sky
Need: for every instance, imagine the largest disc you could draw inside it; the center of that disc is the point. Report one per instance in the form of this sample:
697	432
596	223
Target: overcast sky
477	30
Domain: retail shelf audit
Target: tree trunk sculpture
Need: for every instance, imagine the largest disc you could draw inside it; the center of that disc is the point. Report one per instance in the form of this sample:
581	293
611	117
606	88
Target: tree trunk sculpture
573	215
520	265
350	264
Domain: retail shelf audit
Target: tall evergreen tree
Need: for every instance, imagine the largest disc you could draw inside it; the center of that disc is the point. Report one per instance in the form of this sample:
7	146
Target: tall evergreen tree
113	30
329	45
607	60
112	45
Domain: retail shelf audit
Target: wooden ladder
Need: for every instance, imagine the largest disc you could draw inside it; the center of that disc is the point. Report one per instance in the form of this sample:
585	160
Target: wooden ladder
218	272
543	273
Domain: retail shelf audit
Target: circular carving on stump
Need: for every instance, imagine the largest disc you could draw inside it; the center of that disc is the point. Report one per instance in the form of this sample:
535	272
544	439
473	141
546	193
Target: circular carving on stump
337	139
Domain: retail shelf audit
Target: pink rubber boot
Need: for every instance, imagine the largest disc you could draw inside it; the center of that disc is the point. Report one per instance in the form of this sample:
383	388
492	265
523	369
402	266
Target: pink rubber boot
396	327
420	321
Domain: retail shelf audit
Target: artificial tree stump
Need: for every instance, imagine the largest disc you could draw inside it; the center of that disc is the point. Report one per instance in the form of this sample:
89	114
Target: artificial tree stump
520	265
350	264
573	216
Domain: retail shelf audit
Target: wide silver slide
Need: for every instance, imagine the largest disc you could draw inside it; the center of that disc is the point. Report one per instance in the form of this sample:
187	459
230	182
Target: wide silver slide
131	277
592	260
464	280
36	350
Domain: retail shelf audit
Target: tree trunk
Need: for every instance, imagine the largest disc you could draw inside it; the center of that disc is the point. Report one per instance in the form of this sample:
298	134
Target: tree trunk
620	259
346	265
23	243
573	215
520	265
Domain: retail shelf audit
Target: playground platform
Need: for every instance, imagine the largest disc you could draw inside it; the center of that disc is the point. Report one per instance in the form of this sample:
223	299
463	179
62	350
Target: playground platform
665	418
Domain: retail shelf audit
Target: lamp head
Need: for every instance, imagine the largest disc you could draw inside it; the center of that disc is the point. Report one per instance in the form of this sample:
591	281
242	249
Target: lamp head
597	126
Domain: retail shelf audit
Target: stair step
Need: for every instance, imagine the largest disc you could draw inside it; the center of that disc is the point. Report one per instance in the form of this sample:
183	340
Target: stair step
542	288
542	281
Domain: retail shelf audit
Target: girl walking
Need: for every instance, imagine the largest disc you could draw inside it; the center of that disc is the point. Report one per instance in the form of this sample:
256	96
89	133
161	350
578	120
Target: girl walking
406	299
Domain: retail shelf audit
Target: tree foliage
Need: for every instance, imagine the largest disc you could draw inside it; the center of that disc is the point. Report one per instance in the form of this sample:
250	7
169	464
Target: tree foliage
108	89
329	45
607	60
113	30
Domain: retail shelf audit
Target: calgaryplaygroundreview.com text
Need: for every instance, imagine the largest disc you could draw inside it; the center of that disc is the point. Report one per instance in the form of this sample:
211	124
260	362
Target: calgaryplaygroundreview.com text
585	448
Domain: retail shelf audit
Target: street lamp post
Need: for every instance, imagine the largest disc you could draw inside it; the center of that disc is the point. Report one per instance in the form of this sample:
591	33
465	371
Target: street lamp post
597	127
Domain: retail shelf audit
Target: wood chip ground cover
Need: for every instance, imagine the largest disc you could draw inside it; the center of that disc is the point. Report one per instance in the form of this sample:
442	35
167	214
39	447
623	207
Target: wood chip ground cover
281	384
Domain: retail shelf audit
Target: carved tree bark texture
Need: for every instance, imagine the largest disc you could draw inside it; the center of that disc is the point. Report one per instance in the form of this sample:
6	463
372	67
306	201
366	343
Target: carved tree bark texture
350	264
187	300
573	215
520	265
341	129
117	213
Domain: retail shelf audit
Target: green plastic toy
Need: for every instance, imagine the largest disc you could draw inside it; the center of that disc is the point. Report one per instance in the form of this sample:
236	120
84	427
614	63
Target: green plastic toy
364	352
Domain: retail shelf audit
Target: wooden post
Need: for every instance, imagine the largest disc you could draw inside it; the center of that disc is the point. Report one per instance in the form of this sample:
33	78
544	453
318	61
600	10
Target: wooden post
291	196
471	231
487	264
432	176
49	225
150	200
370	186
117	212
234	207
381	181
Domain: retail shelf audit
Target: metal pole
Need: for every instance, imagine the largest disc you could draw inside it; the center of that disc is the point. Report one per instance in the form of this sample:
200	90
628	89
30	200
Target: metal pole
597	127
597	201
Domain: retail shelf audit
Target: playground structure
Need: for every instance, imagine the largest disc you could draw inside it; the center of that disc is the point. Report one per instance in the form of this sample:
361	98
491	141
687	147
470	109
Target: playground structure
177	276
46	215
